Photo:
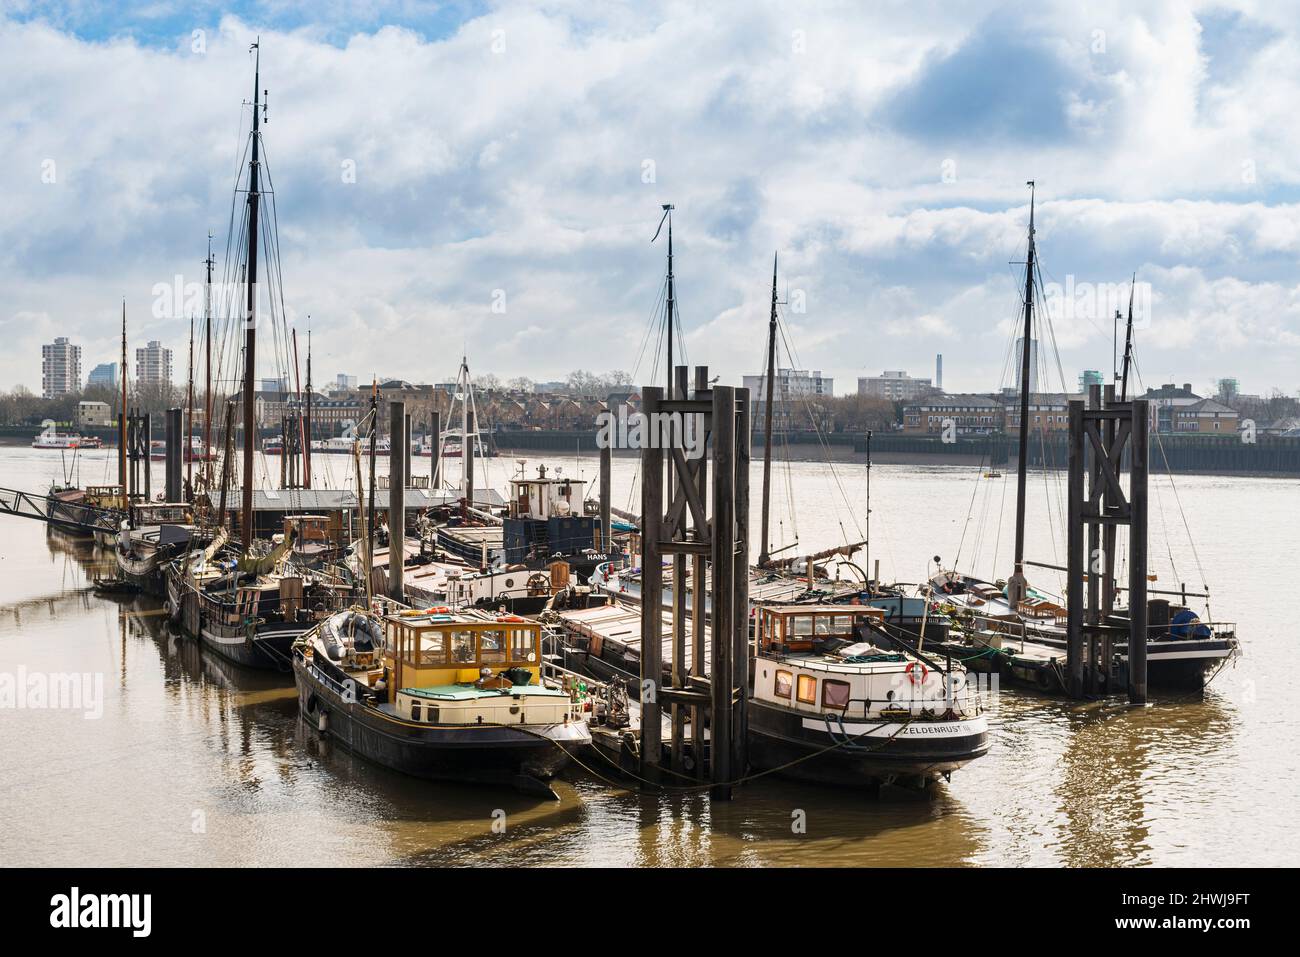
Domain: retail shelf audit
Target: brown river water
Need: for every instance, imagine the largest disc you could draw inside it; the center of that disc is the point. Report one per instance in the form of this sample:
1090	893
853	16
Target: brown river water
192	761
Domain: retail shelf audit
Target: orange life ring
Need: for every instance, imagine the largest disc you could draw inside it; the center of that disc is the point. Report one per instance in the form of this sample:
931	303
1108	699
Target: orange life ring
911	671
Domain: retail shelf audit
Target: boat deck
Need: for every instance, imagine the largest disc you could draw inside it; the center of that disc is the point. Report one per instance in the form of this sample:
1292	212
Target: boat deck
616	629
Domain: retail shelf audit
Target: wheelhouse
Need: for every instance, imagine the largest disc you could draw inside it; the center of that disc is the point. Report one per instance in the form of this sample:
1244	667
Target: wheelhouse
440	648
791	629
470	668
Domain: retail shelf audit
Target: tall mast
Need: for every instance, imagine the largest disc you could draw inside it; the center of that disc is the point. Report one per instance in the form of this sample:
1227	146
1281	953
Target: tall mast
872	584
670	302
466	447
300	427
370	504
1016	585
306	426
250	317
121	439
764	542
187	448
1128	344
207	368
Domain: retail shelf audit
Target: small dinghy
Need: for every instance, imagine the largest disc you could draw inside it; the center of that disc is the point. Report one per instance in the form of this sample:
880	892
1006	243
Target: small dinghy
115	587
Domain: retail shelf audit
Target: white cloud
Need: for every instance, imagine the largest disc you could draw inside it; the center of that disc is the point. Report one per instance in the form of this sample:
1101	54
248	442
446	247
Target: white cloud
522	170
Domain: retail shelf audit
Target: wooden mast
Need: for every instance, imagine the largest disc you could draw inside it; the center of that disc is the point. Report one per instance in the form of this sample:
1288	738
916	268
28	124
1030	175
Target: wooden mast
1017	585
764	543
668	211
1128	344
306	425
207	368
121	438
187	446
250	317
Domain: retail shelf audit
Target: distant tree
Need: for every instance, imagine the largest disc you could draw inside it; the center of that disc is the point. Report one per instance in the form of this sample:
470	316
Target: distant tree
858	413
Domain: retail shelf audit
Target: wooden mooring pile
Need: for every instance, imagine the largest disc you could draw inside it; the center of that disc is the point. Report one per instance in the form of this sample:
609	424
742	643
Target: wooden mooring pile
1103	433
675	498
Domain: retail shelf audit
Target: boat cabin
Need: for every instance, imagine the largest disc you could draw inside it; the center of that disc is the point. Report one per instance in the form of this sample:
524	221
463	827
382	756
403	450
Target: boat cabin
541	498
159	513
821	660
436	646
469	667
104	496
785	629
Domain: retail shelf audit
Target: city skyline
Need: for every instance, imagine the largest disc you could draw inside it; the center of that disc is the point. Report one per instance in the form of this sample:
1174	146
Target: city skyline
516	226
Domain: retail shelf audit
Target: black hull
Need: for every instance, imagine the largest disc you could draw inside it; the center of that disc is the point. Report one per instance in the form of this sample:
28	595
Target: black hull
270	648
1181	674
778	737
152	583
473	754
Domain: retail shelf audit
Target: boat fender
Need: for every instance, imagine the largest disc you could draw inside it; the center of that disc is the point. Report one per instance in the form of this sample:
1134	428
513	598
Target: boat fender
323	722
310	704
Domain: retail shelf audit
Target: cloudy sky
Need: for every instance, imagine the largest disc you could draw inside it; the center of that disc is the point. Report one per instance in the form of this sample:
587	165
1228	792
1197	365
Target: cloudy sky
518	153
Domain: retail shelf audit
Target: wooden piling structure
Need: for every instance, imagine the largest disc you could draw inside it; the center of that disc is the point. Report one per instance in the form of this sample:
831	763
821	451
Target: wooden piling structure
1098	435
699	588
435	452
677	713
606	464
172	470
406	433
1074	551
467	449
1095	569
652	507
398	460
685	530
1109	544
1137	565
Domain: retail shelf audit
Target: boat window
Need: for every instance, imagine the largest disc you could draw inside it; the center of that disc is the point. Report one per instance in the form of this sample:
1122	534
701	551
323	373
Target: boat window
807	689
492	646
415	711
835	694
432	647
523	644
784	680
803	625
462	647
822	624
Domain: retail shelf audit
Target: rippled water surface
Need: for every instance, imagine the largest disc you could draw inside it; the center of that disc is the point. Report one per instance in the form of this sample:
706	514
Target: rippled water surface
194	761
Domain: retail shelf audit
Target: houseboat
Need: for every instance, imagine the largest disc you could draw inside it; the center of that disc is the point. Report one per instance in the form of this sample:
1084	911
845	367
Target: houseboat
439	695
152	534
833	700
